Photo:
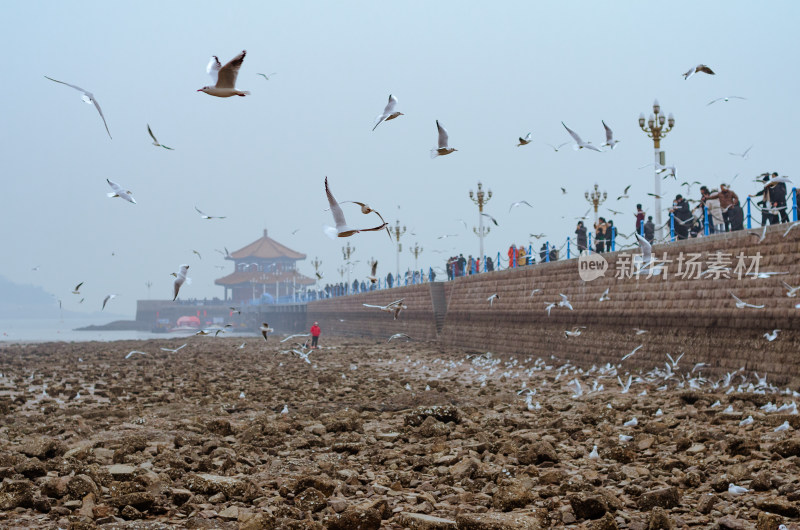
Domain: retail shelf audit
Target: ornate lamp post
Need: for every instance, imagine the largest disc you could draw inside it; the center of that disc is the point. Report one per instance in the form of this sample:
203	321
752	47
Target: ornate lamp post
346	253
342	271
317	263
596	199
655	130
480	199
397	233
416	250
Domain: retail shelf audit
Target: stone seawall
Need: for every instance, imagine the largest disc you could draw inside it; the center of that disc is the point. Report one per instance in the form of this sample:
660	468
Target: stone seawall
693	316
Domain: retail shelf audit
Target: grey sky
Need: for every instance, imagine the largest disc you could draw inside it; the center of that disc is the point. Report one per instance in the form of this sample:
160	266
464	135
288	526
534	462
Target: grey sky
489	74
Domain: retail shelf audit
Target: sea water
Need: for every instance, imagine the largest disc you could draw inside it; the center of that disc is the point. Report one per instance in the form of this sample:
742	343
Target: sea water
49	330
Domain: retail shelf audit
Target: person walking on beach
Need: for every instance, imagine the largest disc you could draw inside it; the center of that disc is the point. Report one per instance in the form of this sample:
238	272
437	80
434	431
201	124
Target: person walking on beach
315	332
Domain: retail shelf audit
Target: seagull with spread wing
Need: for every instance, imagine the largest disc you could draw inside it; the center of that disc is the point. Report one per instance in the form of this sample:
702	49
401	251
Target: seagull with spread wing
155	142
265	76
206	216
579	144
77	289
515	204
524	141
697	69
742	304
119	192
180	278
388	112
394	307
444	148
224	77
89	98
610	142
107	299
728	98
342	230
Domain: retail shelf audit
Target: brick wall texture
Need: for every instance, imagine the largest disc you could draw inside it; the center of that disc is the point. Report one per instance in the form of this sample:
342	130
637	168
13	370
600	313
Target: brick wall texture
682	314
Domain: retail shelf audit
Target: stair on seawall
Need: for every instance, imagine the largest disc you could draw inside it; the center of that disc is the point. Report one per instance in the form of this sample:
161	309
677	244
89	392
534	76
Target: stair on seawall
439	304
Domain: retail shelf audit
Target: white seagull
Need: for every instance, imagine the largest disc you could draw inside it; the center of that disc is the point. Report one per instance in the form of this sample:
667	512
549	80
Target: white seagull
580	143
180	278
699	68
155	142
443	148
733	489
604	296
388	112
394	307
135	351
610	142
637	348
524	141
342	230
77	289
206	216
724	99
107	299
492	298
792	291
224	77
564	302
771	336
175	350
741	304
119	192
88	97
515	204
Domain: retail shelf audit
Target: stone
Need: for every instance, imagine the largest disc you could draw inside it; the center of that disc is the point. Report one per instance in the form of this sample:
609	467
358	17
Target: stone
762	481
219	427
537	453
80	486
768	521
500	521
732	523
310	500
122	472
588	506
421	521
365	516
256	521
233	487
31	468
706	503
343	421
444	413
659	520
139	500
131	513
787	448
778	506
464	469
43	448
16	494
231	513
663	497
606	522
321	483
517	494
432	428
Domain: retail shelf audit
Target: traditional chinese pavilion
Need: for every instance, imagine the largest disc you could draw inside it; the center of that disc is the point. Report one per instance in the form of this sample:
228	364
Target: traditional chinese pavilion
263	269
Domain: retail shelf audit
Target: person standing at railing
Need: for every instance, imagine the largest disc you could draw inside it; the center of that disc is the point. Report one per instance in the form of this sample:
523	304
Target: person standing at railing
462	265
522	258
600	235
489	264
767	202
389	280
735	215
649	229
680	209
512	256
778	195
639	218
726	197
580	233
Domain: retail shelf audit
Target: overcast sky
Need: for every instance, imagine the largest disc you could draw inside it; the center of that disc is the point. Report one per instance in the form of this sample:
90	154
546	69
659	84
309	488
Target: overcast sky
489	72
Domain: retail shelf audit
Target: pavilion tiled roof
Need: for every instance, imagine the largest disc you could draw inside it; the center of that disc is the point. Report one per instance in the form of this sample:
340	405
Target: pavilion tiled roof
266	278
266	248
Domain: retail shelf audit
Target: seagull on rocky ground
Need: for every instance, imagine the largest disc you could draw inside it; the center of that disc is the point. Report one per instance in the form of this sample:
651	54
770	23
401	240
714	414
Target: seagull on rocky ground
624	438
631	423
578	388
728	98
224	77
492	298
564	302
267	76
399	336
515	204
556	148
626	386
77	288
155	142
580	144
524	141
242	345
119	192
771	336
394	307
206	216
783	427
180	278
796	223
741	304
388	112
285	409
696	69
107	299
604	296
637	348
443	148
175	350
745	422
594	455
791	291
342	230
743	155
576	331
265	330
610	142
89	98
134	352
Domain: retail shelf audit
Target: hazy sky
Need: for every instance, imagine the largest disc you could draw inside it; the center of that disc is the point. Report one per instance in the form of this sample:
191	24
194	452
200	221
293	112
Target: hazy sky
489	73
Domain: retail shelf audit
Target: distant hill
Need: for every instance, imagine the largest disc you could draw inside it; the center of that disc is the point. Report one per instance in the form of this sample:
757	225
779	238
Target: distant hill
31	301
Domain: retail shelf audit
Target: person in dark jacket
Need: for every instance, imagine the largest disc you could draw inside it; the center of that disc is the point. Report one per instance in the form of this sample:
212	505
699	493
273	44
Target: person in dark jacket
680	209
600	235
580	233
778	196
649	229
767	202
736	215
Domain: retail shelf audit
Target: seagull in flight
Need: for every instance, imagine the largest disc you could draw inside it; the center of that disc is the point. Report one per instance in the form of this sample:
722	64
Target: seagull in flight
119	192
741	304
175	350
443	148
792	291
366	209
515	204
697	69
88	97
625	193
490	217
224	77
342	230
206	216
796	223
580	143
743	155
296	335
107	299
771	336
394	307
135	351
155	142
77	289
637	348
373	277
267	76
492	298
604	296
198	254
564	302
559	146
399	336
180	278
265	330
728	98
388	112
610	142
524	141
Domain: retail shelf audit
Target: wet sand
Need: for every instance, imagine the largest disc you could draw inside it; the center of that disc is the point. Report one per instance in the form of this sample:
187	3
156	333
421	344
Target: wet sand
377	435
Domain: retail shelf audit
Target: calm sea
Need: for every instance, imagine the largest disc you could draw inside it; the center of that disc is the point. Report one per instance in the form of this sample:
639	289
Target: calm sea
47	330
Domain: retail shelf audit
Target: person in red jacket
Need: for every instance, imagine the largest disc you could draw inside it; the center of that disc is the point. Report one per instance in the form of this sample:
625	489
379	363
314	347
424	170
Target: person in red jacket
315	331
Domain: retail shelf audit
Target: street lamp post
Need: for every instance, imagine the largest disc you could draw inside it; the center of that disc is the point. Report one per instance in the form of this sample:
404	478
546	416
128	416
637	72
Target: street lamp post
416	250
397	233
596	199
655	130
480	199
346	253
317	263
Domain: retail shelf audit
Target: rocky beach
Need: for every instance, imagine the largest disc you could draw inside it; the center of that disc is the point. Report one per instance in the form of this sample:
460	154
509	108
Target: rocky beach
364	434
